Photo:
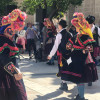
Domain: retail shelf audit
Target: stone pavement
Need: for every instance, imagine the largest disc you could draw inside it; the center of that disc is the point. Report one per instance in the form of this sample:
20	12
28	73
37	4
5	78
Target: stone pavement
42	84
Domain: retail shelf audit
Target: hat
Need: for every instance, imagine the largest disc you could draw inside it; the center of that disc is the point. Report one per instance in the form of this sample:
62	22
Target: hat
90	19
81	24
63	23
14	21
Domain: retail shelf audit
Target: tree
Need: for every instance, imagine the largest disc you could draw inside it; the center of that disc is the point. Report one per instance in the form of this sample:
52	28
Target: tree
3	6
54	8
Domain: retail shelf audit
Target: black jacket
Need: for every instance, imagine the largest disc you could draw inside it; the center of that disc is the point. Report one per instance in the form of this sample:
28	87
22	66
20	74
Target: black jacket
62	47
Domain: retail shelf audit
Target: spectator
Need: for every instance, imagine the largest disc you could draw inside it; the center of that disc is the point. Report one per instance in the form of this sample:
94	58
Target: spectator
21	40
94	29
25	28
98	58
30	36
99	31
44	36
34	27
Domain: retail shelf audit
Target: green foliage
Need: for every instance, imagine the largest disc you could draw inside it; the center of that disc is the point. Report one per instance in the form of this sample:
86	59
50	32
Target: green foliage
3	6
59	15
55	8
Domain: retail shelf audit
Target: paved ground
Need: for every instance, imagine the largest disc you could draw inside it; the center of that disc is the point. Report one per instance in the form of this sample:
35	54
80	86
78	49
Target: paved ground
42	84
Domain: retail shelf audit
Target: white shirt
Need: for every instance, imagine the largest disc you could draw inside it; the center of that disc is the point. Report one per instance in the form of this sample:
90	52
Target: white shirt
92	29
56	44
98	31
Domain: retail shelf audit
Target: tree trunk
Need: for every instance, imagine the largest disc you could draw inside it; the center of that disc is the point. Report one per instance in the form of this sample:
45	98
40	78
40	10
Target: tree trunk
52	14
45	9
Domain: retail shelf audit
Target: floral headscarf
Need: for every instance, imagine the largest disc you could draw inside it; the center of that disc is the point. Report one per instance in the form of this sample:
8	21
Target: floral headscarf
81	24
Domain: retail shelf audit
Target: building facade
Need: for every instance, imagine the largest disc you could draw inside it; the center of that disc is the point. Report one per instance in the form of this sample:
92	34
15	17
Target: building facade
88	7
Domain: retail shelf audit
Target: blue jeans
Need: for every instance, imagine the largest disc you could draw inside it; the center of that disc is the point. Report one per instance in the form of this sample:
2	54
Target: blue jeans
80	88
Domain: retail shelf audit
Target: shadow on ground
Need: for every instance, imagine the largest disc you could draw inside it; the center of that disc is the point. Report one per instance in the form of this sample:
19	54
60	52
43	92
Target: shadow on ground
43	71
52	95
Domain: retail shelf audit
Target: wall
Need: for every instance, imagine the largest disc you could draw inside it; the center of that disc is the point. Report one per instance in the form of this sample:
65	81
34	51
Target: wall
97	10
88	7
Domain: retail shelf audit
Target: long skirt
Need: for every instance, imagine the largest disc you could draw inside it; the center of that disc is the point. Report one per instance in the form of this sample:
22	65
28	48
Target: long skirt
79	72
10	89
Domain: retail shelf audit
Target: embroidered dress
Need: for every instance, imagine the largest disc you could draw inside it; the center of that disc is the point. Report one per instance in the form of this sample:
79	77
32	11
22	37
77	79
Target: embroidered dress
50	35
82	69
10	88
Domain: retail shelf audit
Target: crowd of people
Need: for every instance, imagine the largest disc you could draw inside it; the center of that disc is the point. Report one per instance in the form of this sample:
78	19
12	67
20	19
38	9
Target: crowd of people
26	39
81	41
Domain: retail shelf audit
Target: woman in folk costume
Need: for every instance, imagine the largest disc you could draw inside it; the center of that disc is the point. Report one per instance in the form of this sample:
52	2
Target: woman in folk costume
51	28
82	69
11	85
51	32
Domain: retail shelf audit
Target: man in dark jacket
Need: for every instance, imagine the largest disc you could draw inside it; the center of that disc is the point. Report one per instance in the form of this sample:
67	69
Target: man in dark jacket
60	47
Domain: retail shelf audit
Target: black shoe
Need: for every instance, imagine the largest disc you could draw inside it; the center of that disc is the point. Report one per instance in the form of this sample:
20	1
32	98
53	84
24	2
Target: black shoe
58	74
78	98
30	58
49	63
63	87
90	84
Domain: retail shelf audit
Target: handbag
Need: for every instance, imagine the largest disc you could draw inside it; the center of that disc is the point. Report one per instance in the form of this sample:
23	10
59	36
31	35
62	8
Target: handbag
89	59
11	69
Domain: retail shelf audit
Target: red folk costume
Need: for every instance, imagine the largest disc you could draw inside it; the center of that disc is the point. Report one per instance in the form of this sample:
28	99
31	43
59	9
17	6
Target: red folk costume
51	32
82	69
10	88
50	26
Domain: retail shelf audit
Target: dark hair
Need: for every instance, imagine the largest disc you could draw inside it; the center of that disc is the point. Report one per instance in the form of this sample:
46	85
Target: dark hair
90	19
2	29
63	23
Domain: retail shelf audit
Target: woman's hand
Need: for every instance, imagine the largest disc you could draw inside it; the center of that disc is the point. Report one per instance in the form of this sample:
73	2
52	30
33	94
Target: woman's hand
88	49
84	52
18	76
68	46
